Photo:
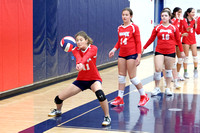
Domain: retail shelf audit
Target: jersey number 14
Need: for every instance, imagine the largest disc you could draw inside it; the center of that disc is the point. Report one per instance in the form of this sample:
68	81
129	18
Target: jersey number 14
123	41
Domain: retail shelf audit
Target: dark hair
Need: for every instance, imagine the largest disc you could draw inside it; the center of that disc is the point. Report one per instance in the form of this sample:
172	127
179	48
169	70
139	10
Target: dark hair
85	36
169	13
189	10
129	10
176	9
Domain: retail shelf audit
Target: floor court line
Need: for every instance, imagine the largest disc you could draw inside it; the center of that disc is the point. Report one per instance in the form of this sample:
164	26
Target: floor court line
79	111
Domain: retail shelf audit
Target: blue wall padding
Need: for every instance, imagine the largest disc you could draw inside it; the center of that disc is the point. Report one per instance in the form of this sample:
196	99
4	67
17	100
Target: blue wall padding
39	40
54	19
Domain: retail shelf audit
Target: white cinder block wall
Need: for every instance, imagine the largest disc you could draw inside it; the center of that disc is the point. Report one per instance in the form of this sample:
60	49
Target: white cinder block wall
143	16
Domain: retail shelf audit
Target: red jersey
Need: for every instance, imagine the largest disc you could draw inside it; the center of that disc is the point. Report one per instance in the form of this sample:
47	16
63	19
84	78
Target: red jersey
128	40
167	36
190	39
88	59
178	23
198	26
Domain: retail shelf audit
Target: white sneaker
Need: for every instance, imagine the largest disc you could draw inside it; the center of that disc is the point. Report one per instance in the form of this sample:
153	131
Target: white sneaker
195	73
177	85
106	121
156	91
54	112
186	75
168	92
180	78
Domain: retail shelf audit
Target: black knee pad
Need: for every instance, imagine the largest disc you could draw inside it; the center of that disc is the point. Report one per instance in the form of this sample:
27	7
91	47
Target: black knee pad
57	100
100	95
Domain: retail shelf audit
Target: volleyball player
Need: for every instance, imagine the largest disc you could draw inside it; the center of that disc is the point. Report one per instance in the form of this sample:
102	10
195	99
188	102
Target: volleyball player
189	41
177	20
88	76
168	35
129	57
198	26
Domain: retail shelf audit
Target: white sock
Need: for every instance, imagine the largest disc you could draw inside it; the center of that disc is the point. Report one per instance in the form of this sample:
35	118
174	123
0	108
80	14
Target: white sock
120	93
141	91
175	81
178	74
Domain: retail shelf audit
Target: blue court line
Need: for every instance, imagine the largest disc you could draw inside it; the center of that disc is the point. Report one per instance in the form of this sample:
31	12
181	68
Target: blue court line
71	114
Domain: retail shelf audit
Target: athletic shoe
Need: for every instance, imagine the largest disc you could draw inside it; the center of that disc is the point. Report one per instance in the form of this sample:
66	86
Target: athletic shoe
177	85
180	78
143	100
54	112
106	121
156	91
186	75
118	101
195	73
168	92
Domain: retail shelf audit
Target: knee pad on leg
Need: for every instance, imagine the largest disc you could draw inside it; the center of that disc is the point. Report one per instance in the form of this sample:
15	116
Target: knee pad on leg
135	81
100	95
122	79
57	100
195	58
180	60
186	60
157	76
168	73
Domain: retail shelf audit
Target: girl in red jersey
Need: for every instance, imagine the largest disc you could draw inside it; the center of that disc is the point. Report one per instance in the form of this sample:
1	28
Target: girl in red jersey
189	41
198	26
88	76
177	20
129	57
168	35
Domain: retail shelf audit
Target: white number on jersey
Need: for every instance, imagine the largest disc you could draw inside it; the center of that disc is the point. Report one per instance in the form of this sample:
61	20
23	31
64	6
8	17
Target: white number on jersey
191	30
86	67
165	36
123	41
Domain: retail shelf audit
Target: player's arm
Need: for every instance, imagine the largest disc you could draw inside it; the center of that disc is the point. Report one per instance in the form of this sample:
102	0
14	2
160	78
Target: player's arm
198	26
178	41
137	39
116	47
138	44
77	55
90	54
186	25
151	39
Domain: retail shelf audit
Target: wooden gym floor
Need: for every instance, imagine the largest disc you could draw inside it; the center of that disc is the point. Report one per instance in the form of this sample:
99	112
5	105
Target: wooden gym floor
27	113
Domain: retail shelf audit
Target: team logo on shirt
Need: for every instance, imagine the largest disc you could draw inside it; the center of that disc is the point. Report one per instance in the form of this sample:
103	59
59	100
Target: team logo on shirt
169	31
124	34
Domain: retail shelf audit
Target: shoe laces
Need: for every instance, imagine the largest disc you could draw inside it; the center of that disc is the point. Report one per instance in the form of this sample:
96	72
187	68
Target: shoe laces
53	110
107	119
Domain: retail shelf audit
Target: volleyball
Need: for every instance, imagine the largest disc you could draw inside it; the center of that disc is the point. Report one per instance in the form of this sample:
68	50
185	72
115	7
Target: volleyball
67	43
